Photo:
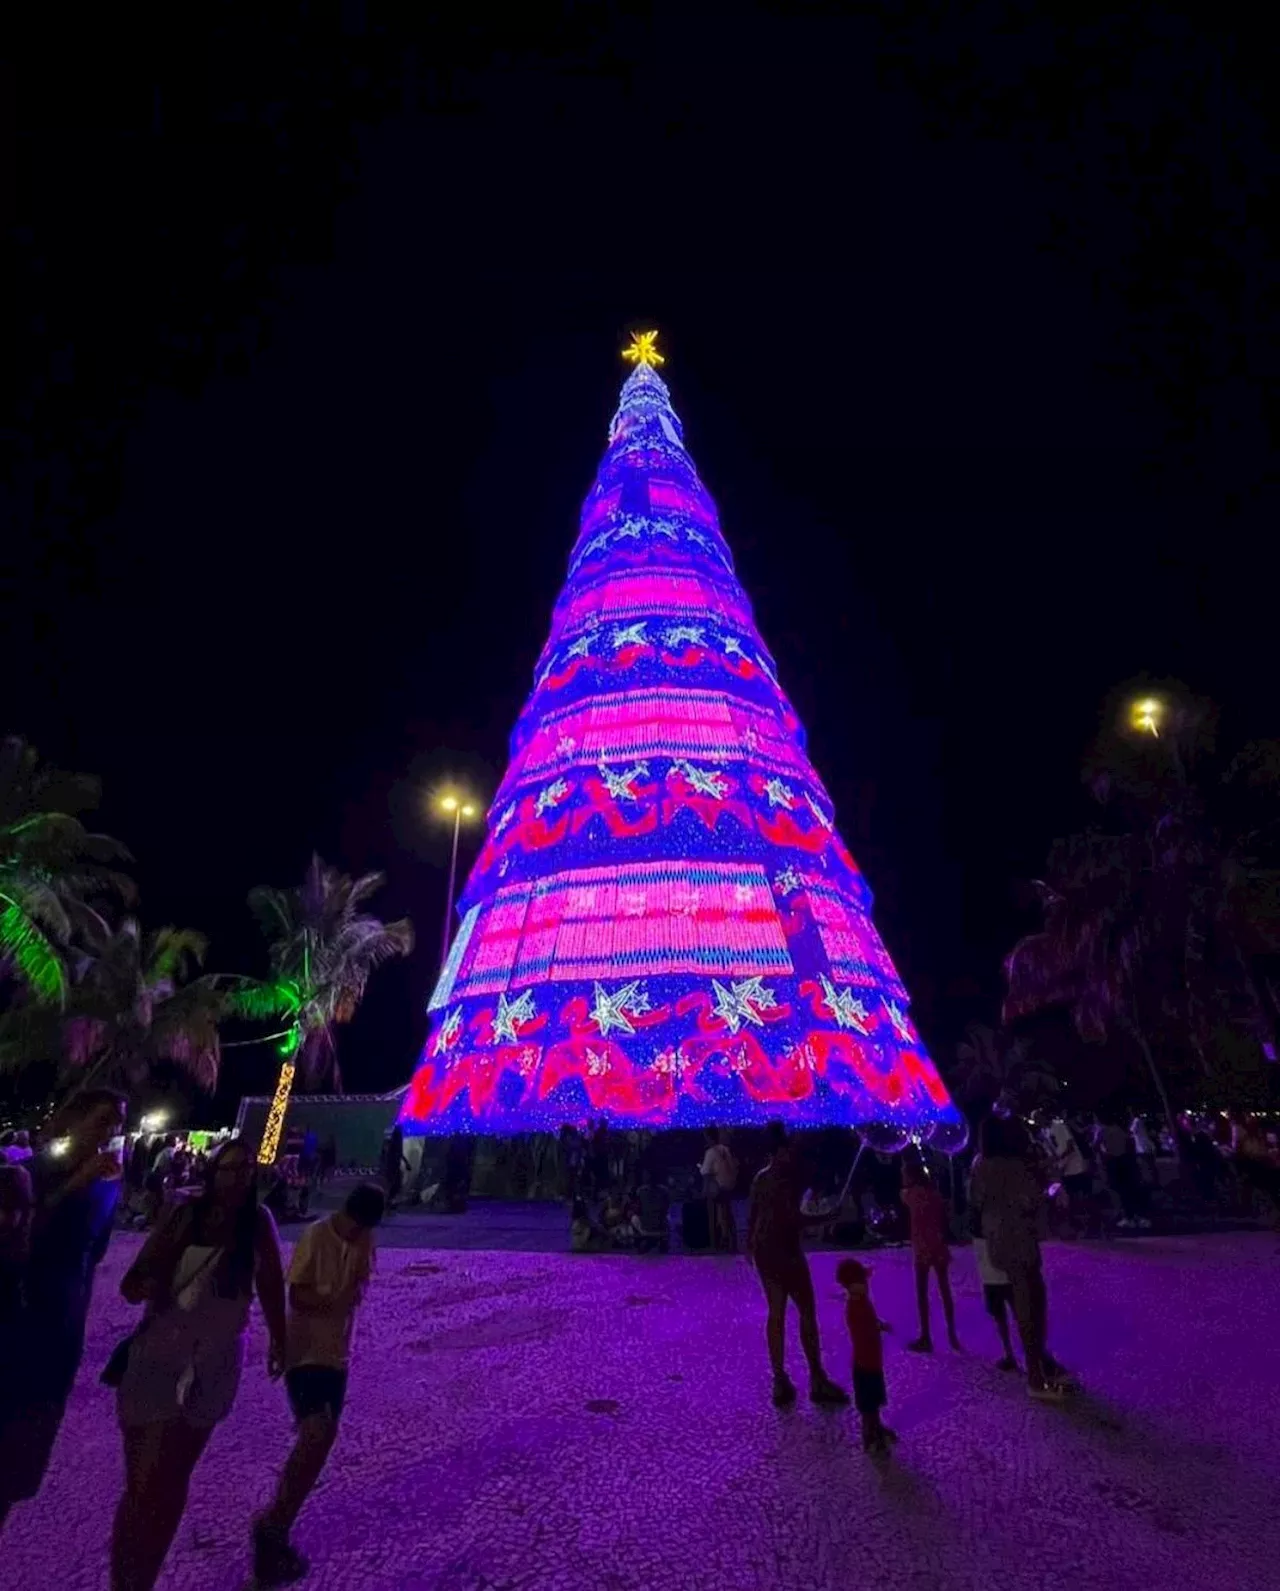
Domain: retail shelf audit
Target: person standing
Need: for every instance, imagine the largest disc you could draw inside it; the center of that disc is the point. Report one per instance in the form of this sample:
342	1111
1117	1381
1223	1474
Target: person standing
1071	1168
76	1180
17	1206
330	1269
393	1164
929	1251
178	1374
865	1332
1120	1168
775	1226
1006	1198
719	1171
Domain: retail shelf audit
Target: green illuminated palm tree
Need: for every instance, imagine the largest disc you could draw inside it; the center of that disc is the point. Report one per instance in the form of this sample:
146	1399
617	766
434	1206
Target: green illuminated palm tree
135	1000
323	949
52	871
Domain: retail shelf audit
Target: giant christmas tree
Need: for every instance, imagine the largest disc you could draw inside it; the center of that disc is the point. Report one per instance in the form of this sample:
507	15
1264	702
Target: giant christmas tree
664	927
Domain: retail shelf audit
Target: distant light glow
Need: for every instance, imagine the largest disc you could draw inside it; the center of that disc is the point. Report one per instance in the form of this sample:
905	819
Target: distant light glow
1146	714
664	926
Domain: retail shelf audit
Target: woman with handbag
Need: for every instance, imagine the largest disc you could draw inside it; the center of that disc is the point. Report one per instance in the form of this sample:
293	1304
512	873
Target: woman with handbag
177	1374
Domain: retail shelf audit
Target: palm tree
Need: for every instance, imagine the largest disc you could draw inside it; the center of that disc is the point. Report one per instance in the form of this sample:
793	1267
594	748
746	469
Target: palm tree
992	1068
52	869
323	949
136	1000
1161	918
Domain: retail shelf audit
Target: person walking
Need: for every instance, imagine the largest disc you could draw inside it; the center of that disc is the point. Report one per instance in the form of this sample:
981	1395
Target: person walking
177	1375
75	1188
775	1226
330	1269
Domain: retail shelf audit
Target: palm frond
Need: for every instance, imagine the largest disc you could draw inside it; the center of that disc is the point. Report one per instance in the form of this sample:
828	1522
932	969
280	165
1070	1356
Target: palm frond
27	948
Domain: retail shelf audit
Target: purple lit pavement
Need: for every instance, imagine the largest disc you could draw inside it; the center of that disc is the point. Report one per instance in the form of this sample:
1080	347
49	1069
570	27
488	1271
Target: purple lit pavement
548	1422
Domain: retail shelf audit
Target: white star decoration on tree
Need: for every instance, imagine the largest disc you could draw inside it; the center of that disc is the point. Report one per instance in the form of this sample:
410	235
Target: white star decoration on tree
732	646
547	798
697	536
581	647
780	794
510	1014
505	819
565	746
743	1002
709	782
596	544
614	1010
685	905
628	635
899	1020
628	530
448	1031
664	527
682	634
803	1055
847	1011
619	784
786	879
818	812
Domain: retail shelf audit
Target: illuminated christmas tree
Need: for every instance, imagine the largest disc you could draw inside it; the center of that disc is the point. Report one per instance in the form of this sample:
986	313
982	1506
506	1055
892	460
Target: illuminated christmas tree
664	927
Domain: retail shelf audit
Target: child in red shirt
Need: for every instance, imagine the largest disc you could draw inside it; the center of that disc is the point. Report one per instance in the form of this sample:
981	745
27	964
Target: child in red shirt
865	1328
929	1250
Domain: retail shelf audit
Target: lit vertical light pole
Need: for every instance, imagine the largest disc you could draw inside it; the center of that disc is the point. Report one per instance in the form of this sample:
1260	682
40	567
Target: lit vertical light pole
460	810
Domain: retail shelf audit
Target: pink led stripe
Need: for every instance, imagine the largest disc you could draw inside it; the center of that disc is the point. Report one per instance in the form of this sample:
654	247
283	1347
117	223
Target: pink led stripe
636	921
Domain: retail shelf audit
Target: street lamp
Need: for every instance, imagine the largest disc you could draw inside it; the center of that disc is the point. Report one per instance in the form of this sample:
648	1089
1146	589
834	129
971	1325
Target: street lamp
457	809
1146	714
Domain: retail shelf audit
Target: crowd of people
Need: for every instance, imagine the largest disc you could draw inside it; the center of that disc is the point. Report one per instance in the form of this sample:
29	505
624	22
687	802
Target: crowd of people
176	1375
212	1247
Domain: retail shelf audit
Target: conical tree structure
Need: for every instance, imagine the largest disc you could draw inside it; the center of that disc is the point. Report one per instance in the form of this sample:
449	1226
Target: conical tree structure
664	927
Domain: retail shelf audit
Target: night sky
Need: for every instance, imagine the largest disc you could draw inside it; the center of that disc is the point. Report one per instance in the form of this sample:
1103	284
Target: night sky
971	349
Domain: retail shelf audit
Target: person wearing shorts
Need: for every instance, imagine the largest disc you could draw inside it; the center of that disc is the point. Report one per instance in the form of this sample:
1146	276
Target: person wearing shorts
774	1228
328	1274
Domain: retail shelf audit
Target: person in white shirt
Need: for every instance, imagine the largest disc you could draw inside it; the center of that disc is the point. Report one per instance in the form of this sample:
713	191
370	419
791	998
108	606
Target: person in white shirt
719	1172
328	1274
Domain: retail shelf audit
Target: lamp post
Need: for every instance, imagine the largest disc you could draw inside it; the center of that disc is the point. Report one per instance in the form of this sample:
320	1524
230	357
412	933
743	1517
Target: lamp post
459	810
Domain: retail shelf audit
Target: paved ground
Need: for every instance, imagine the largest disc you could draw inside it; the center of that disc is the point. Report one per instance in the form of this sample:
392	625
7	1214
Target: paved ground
551	1423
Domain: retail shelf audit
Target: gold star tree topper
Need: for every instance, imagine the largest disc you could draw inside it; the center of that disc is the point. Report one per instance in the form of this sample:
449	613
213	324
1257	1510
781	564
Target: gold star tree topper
643	350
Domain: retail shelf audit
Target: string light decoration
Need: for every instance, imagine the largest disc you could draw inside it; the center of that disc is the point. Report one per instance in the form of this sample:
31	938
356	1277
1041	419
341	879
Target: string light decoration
663	926
270	1144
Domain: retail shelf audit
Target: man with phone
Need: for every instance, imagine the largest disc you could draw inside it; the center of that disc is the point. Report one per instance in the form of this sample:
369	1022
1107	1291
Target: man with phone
76	1184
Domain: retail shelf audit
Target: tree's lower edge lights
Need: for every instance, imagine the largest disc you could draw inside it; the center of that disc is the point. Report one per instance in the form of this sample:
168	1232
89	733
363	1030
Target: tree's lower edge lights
663	927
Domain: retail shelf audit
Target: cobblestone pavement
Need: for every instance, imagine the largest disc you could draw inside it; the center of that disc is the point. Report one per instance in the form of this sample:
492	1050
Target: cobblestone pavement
549	1423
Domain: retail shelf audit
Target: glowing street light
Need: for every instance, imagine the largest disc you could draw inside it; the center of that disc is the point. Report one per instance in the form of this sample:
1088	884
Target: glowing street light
458	808
1146	714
